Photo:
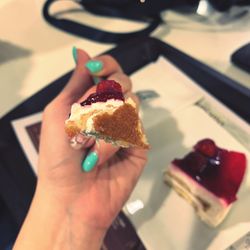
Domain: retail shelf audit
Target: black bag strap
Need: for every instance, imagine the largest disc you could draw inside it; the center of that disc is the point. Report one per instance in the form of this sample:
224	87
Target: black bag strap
91	33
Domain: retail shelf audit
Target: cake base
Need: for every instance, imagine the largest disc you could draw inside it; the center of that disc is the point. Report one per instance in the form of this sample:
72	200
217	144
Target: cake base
123	127
211	209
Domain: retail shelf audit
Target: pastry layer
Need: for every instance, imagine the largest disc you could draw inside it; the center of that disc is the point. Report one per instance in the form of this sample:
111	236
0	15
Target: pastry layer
123	126
209	207
114	121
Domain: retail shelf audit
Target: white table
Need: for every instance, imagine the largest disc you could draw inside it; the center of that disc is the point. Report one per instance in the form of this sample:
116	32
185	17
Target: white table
33	53
211	44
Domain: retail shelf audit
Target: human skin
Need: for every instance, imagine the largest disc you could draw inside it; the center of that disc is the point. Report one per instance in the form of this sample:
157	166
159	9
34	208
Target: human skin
73	209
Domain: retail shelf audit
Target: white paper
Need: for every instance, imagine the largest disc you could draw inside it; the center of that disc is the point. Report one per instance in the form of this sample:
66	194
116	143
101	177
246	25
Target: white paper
26	143
176	90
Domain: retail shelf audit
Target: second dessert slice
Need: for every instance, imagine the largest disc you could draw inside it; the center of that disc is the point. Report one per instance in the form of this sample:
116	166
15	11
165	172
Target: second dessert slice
209	178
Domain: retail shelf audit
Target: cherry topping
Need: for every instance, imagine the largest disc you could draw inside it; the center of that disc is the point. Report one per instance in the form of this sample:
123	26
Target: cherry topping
206	147
106	89
108	86
220	171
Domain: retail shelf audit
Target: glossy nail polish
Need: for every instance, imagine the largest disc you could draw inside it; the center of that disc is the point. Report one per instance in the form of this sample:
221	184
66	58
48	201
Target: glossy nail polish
74	53
94	66
96	79
90	161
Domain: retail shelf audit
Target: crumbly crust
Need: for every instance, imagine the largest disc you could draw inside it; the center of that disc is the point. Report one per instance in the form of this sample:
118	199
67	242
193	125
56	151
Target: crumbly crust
72	129
122	125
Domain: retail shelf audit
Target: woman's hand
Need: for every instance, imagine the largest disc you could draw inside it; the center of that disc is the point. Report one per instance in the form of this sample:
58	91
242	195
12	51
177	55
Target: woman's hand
77	207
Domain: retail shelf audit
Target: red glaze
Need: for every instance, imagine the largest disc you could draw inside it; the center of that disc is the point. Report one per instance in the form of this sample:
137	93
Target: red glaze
106	89
221	174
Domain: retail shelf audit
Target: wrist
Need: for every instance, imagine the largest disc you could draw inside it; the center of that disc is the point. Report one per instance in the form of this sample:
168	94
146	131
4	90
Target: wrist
52	224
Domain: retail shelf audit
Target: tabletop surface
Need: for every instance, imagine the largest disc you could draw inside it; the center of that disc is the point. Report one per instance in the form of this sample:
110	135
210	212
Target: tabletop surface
33	53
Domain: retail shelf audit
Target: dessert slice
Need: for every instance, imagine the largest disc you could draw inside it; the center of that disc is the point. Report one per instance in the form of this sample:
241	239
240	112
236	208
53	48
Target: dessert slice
209	178
107	115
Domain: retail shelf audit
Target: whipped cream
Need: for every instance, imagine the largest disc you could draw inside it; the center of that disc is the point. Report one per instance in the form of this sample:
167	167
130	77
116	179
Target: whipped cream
77	110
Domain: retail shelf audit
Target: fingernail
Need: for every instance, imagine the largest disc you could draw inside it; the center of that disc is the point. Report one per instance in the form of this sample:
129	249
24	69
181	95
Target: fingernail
90	161
94	66
74	53
96	79
80	138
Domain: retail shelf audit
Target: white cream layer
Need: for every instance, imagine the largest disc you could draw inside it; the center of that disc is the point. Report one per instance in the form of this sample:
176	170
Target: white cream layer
192	191
77	110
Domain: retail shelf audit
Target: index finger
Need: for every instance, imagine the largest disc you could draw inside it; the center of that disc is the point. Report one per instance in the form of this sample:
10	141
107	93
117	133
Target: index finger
109	65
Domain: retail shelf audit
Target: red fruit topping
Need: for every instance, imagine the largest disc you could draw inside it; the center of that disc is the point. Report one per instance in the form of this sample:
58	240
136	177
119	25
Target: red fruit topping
108	86
106	89
196	162
235	167
221	174
206	147
103	97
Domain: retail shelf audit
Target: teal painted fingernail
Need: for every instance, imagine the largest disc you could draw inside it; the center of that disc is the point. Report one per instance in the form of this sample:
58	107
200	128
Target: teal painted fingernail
90	161
94	66
96	79
74	53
